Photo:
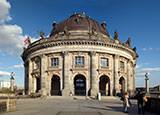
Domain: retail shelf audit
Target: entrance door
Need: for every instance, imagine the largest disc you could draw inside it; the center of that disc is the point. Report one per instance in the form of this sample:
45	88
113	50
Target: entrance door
38	84
122	85
80	85
55	85
104	85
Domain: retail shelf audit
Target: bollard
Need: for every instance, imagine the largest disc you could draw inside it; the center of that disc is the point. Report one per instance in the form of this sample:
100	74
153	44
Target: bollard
99	96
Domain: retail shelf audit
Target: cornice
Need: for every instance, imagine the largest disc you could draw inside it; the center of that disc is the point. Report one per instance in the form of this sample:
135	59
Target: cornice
48	42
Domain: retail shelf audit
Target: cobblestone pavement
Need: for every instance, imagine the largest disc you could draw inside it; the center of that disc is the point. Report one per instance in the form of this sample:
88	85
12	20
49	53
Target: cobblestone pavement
72	106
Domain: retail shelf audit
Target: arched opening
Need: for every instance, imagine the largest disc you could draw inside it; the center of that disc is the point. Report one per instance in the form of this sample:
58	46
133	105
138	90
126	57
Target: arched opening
80	85
38	84
55	85
122	85
104	85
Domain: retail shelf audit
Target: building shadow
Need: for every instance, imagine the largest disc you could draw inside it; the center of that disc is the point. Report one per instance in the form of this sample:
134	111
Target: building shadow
131	110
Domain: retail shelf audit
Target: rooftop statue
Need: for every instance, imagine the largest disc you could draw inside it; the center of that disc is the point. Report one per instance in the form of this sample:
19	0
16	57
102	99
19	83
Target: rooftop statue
128	41
116	34
42	34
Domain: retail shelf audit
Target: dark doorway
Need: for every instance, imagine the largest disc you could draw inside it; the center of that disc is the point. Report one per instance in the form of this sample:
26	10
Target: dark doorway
38	84
55	85
104	85
122	85
80	85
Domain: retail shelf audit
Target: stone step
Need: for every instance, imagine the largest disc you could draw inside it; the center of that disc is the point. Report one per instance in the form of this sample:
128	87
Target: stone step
81	97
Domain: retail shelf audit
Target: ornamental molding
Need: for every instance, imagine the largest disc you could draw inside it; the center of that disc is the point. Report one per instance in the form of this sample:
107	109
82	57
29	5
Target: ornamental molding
61	42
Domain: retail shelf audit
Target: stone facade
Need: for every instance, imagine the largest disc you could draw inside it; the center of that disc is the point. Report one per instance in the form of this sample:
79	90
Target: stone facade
79	63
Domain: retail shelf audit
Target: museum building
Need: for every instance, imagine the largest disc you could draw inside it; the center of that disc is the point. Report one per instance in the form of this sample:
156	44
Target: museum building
79	57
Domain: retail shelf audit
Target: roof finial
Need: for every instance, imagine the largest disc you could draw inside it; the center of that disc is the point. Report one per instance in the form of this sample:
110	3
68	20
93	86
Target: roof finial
75	12
83	12
54	23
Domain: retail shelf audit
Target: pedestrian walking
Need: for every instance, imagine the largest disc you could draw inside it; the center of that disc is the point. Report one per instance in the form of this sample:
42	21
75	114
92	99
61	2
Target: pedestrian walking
141	100
125	102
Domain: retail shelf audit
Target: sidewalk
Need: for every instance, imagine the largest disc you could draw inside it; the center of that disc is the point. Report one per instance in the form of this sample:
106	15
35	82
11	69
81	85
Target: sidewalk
72	106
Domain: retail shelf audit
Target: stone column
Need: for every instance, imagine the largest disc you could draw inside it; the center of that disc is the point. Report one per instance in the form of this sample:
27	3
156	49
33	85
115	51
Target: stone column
94	83
134	81
147	83
25	78
112	77
43	72
128	77
49	84
12	83
30	77
66	64
116	77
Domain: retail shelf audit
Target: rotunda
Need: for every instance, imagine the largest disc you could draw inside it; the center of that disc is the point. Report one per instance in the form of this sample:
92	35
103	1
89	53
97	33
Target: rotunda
79	57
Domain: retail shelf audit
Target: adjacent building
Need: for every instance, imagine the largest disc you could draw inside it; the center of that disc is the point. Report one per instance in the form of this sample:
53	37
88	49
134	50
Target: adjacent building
80	58
4	83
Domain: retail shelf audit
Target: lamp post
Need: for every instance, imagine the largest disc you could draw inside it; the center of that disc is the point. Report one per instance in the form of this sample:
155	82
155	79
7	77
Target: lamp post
12	82
147	83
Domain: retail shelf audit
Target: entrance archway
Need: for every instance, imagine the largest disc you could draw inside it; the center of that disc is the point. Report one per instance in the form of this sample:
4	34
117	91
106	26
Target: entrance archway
104	85
38	84
122	85
80	85
55	85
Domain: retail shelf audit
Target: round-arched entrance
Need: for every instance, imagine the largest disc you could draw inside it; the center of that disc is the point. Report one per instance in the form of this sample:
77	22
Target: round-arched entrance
104	85
80	85
122	85
55	85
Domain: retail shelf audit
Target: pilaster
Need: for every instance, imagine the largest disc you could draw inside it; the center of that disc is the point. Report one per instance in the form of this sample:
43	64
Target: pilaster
66	64
116	77
43	68
129	76
30	77
94	84
25	78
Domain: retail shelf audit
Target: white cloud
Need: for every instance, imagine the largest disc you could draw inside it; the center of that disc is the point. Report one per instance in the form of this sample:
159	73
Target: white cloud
150	69
142	72
144	49
4	11
147	49
11	39
138	66
2	73
11	36
18	66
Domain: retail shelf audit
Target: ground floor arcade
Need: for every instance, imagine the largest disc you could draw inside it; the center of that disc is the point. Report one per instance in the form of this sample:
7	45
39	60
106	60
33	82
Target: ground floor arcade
80	85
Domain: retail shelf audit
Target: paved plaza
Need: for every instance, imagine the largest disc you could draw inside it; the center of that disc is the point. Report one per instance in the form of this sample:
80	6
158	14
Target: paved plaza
72	106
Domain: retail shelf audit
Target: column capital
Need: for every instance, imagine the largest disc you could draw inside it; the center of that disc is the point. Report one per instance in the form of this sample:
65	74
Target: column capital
129	61
65	53
116	56
42	56
93	53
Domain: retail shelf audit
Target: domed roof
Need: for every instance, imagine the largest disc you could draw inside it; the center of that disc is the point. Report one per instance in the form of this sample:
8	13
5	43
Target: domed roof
79	22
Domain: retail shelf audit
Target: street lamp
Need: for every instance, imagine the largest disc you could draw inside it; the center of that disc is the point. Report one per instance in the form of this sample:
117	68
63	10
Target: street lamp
147	83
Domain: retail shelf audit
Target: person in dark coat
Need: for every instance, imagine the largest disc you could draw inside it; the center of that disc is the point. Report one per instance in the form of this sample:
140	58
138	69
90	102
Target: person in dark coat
140	102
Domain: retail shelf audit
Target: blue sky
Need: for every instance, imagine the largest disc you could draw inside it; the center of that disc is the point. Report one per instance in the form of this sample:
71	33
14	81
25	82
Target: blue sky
138	19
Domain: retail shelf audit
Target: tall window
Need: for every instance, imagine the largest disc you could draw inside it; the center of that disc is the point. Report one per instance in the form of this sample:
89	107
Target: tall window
54	62
121	65
79	60
104	62
37	64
